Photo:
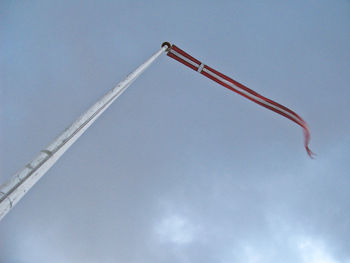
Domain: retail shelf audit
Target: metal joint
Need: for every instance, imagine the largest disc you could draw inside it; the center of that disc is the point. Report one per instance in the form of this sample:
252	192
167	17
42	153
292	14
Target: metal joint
167	44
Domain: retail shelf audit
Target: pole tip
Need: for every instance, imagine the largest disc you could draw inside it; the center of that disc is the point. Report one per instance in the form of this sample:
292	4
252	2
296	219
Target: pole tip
166	44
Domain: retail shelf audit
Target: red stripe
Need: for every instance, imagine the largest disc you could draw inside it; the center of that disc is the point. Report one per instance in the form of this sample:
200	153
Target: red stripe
180	51
250	98
181	60
301	122
252	92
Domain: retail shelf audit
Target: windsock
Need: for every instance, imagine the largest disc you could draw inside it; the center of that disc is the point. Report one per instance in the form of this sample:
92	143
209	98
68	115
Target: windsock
189	61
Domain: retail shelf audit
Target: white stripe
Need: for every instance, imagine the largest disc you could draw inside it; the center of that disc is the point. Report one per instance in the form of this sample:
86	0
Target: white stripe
200	68
250	95
184	58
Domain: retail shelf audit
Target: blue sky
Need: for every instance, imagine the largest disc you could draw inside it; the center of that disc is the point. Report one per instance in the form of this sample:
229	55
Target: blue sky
178	169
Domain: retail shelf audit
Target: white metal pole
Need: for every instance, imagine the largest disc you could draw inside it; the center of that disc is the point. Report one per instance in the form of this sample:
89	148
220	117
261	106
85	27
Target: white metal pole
17	186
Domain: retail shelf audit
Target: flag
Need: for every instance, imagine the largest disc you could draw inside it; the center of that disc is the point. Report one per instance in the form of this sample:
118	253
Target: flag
186	59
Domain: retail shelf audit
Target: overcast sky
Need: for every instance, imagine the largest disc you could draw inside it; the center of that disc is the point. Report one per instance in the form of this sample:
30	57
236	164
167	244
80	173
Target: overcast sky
178	169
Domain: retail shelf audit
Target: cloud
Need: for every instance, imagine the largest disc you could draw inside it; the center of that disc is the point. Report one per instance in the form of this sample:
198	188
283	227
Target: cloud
176	229
314	251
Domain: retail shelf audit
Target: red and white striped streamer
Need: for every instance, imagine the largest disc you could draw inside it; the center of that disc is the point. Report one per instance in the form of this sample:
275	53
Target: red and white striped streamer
186	59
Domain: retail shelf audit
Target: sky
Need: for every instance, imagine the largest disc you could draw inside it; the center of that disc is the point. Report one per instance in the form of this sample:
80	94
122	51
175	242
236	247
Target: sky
178	169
